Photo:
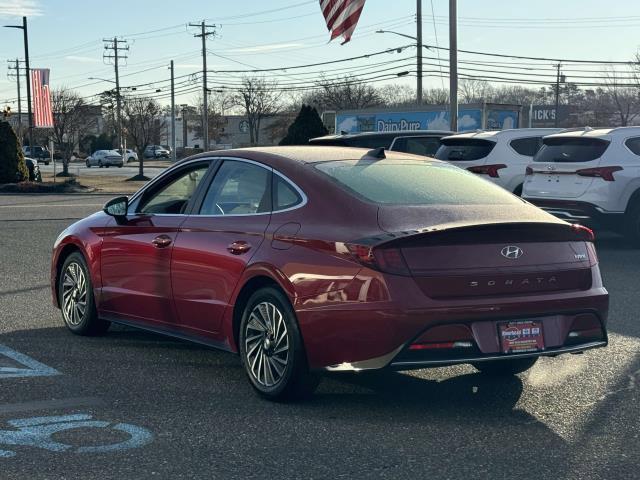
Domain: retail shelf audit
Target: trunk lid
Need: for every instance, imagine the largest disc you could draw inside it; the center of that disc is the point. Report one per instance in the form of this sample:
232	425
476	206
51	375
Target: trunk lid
464	252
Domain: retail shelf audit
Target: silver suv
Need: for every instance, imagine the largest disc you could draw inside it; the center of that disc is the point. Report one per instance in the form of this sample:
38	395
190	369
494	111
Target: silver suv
590	176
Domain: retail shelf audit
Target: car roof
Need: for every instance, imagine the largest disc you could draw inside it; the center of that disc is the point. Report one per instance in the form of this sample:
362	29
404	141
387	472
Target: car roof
588	132
306	154
399	133
508	134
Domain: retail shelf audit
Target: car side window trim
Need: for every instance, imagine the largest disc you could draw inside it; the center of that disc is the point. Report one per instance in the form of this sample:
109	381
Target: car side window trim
626	144
303	197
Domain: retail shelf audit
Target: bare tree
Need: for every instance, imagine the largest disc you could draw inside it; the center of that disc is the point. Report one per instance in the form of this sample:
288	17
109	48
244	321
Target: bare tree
142	121
220	103
436	96
347	93
397	95
260	99
474	91
72	121
625	99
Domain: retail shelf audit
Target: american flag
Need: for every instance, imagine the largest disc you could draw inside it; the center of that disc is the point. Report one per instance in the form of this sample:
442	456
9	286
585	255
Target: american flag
341	16
43	116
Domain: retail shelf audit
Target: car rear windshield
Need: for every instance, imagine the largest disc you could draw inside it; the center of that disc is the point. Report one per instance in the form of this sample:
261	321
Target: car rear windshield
564	149
464	149
398	182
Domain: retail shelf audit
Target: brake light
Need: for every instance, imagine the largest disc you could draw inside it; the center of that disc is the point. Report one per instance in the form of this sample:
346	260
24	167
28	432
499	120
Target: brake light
384	259
585	233
606	173
491	170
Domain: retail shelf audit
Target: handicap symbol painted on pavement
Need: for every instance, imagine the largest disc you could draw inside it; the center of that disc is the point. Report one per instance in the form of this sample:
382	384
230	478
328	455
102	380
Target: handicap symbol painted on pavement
37	432
29	367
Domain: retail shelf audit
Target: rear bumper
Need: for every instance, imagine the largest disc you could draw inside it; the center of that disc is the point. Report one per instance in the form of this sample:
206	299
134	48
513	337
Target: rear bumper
579	212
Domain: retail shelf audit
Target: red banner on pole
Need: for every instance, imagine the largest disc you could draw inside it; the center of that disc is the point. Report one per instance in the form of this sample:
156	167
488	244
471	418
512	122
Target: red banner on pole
42	113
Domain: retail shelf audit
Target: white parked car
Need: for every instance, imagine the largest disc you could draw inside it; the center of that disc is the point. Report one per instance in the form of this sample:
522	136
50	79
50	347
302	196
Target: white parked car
501	156
129	155
156	151
105	158
590	176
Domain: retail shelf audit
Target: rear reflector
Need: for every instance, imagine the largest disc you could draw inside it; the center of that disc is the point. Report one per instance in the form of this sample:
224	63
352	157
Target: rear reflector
437	346
606	173
491	170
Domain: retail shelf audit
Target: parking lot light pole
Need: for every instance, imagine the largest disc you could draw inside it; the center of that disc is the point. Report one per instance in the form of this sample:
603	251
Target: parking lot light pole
419	46
453	65
27	72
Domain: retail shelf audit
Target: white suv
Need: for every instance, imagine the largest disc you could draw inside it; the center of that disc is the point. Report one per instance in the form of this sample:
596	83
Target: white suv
591	176
502	155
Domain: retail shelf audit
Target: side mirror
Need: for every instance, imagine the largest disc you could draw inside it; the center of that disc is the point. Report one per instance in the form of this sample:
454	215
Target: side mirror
117	207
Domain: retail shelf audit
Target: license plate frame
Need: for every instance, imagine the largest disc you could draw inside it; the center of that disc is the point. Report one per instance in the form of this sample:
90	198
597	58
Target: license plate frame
521	336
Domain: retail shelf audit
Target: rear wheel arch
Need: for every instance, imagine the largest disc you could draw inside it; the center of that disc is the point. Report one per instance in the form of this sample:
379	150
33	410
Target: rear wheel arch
249	288
634	201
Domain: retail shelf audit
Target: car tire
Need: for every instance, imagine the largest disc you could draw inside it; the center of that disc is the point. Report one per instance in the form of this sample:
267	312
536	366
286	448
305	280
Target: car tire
270	338
88	164
632	225
506	367
75	291
518	190
100	163
46	163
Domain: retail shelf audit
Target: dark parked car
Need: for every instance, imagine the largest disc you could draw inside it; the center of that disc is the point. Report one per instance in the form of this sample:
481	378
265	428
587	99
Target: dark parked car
417	142
34	170
41	154
304	259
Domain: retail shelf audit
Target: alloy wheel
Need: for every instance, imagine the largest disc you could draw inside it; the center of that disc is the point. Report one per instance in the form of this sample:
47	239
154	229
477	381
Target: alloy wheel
266	344
74	294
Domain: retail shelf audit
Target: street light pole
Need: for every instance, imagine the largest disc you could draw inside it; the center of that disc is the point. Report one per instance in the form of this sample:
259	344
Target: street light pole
173	116
453	65
419	50
27	72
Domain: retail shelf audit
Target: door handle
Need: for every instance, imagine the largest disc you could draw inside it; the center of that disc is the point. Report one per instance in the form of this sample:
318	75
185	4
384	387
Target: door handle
239	247
162	241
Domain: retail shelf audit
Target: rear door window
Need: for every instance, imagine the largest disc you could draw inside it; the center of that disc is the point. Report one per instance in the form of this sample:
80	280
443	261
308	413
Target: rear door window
633	144
571	149
464	149
426	146
527	146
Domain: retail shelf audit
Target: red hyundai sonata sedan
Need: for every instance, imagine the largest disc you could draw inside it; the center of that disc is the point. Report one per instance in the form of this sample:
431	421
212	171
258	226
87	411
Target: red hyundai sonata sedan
304	259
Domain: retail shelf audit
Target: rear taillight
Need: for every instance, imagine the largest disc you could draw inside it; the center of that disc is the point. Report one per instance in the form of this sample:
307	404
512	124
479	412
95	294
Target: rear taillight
491	170
605	173
384	259
585	233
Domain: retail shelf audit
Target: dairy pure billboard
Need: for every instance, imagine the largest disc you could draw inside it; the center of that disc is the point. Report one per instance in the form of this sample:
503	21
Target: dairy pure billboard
387	121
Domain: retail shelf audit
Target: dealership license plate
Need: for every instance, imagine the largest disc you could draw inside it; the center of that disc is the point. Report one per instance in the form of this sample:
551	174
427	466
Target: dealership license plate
521	336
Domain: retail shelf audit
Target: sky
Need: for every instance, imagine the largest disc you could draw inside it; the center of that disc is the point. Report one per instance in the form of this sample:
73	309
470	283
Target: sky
67	37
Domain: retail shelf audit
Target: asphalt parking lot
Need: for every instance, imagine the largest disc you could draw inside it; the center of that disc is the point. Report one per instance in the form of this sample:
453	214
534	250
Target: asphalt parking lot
137	405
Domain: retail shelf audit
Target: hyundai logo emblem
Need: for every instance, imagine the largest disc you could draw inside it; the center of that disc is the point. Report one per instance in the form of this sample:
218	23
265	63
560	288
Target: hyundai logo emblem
511	252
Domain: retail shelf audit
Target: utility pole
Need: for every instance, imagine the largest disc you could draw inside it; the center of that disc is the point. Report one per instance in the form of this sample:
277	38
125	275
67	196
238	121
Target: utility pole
453	65
11	76
173	115
184	127
117	46
556	120
204	33
419	49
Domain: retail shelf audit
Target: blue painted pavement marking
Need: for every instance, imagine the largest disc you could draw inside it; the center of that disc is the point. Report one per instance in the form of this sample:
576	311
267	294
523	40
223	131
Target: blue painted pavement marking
32	368
37	432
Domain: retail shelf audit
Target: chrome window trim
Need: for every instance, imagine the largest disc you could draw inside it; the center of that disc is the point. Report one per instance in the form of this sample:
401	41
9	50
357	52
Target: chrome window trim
273	171
211	159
